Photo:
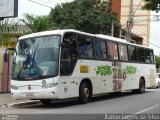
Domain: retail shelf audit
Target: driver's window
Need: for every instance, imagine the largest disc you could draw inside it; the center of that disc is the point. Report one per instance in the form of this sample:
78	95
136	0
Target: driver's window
68	54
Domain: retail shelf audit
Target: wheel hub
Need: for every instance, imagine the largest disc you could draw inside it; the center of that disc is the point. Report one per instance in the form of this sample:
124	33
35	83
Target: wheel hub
86	92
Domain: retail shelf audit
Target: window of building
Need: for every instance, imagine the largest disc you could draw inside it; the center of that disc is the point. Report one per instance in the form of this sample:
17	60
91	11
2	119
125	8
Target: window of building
85	47
123	55
99	49
112	51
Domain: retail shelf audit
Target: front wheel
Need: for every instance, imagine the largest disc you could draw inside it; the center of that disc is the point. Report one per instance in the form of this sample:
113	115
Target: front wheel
84	93
45	101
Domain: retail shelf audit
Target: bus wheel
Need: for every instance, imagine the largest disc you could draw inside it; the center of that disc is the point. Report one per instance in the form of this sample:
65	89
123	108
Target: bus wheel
158	86
141	86
84	93
45	101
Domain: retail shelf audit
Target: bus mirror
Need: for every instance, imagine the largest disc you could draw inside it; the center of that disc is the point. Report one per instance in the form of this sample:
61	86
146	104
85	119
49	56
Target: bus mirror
62	45
6	54
10	49
6	57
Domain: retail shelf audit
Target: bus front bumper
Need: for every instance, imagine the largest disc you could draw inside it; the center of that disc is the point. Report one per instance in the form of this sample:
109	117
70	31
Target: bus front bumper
34	94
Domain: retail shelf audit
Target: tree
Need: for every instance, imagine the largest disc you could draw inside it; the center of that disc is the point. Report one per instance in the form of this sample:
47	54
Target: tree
153	5
91	16
157	59
37	23
7	26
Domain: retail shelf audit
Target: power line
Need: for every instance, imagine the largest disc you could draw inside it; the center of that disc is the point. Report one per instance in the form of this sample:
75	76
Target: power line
40	4
137	8
147	41
153	34
49	2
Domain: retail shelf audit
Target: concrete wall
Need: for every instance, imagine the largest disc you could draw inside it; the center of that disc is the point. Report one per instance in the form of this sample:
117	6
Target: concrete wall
4	75
1	71
116	7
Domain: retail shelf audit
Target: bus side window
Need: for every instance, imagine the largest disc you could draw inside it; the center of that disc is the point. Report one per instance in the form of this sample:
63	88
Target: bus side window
147	56
85	47
112	51
68	54
123	52
99	49
152	56
141	56
66	64
132	53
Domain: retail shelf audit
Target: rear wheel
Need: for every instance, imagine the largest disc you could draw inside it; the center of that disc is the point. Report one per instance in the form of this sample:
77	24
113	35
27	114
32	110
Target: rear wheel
142	87
45	101
84	93
158	86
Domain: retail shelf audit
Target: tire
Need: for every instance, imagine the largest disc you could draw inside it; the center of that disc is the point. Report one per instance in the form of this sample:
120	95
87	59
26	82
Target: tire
84	93
158	86
142	87
45	101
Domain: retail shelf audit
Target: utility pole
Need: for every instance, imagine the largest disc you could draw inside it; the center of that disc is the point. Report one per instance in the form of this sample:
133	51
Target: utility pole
1	19
112	29
129	22
120	32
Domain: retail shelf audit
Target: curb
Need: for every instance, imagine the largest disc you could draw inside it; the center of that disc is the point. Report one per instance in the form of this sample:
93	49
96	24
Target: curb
20	104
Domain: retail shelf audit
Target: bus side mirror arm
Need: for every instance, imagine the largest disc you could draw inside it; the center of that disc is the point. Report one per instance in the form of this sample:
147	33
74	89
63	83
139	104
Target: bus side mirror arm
6	53
62	45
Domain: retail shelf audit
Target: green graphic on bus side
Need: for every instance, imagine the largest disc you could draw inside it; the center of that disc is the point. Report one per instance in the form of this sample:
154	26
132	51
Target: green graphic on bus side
103	70
131	70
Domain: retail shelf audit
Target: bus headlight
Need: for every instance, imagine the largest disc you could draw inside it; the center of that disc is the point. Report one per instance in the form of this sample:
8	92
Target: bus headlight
14	87
49	85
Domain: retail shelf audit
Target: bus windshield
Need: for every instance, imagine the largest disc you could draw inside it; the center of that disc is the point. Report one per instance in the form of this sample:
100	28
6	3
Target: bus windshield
36	58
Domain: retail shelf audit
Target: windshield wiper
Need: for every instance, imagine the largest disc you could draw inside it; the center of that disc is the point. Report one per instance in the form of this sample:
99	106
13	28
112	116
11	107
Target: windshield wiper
25	63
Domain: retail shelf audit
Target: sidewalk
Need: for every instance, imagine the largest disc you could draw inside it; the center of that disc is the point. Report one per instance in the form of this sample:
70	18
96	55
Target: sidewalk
6	98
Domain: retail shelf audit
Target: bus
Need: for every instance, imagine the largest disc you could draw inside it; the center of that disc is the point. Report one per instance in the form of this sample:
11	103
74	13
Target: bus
64	64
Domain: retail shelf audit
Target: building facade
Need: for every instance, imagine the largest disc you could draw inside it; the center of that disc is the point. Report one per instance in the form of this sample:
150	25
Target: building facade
141	19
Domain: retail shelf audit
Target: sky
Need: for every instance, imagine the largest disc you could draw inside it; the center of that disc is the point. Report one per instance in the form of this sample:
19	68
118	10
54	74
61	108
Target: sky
28	6
155	35
31	7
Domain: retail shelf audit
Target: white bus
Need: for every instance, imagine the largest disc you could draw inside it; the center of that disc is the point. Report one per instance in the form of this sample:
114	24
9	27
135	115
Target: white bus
62	64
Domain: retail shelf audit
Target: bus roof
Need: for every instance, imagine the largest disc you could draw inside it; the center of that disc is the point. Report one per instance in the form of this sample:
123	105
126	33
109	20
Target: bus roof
118	40
51	32
61	32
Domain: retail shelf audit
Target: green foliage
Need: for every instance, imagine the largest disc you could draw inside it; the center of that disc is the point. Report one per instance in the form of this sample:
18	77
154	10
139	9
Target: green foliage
37	23
157	59
91	16
151	5
6	27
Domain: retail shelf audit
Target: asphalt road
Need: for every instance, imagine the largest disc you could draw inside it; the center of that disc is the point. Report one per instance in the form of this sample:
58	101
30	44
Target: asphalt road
100	108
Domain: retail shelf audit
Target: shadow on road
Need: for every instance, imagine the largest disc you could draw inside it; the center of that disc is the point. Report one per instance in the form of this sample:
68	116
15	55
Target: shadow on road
74	102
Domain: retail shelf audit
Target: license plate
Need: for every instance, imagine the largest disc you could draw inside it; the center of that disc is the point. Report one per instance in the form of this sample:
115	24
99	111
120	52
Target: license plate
30	94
